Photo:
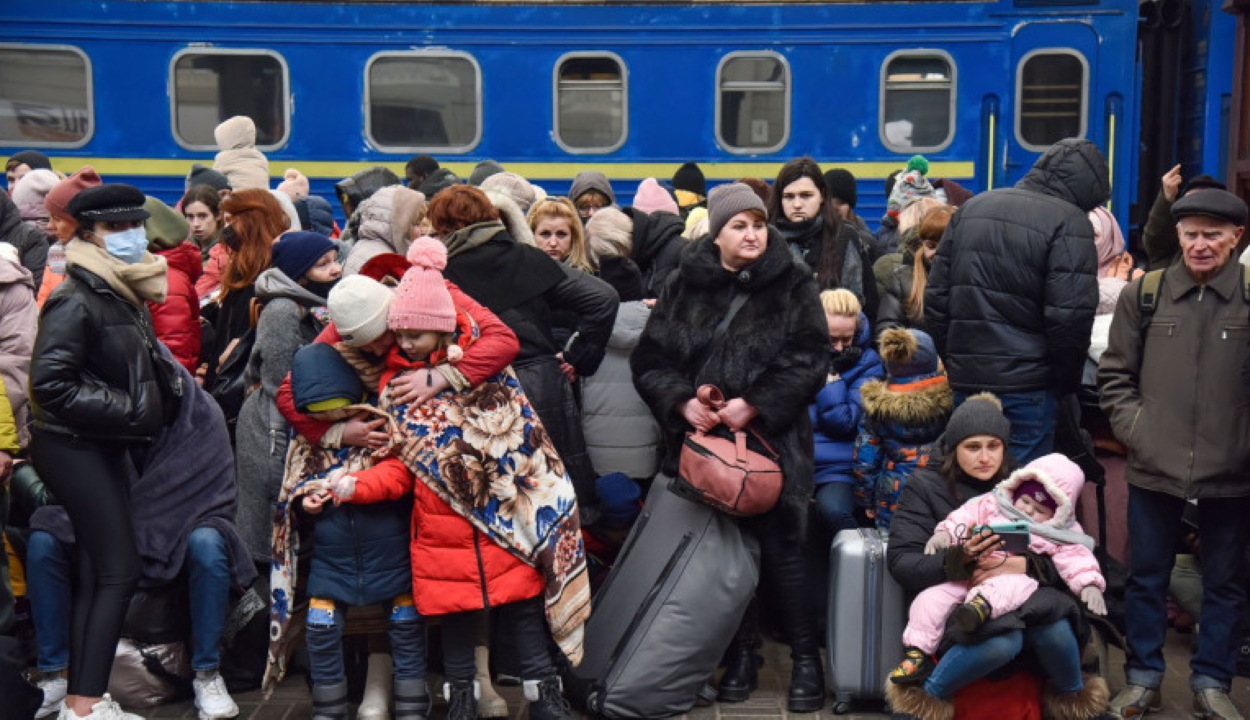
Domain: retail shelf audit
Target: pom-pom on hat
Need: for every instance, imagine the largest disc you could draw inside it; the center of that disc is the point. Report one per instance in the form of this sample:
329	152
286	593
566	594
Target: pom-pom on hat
908	353
296	252
294	184
422	301
980	414
358	306
57	200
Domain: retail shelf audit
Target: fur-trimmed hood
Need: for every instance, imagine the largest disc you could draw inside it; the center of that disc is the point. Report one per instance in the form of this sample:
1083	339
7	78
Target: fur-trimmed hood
908	404
1062	479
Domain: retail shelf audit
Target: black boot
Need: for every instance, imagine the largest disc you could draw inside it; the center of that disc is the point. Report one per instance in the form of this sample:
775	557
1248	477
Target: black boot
807	685
546	699
461	699
330	701
741	673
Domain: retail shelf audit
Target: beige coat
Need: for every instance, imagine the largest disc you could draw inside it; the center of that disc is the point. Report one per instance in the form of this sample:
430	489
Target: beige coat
1180	403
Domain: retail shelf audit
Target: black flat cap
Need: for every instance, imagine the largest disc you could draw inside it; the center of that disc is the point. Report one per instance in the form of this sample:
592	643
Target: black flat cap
109	203
1219	204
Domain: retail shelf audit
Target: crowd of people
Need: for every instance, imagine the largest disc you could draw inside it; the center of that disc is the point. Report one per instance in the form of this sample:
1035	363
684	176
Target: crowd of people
448	409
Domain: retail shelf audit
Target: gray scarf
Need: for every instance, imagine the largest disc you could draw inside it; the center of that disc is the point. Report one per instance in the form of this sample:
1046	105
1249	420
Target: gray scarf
1061	535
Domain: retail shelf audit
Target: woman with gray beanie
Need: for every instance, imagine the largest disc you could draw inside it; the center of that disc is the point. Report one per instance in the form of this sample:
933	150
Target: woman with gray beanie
1051	626
768	361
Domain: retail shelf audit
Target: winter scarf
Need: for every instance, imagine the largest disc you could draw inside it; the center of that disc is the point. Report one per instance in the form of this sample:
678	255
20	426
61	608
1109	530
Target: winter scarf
1059	534
145	280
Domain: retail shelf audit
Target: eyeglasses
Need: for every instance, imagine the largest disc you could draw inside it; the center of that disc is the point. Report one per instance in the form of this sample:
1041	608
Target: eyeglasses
588	209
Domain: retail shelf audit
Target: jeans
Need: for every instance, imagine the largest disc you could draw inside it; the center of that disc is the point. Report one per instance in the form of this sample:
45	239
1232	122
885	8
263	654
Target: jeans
324	638
1222	534
50	589
1032	416
523	635
208	573
1054	645
836	503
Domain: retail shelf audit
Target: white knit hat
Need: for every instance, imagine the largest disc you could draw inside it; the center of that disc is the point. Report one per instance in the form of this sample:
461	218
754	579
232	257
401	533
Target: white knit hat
358	307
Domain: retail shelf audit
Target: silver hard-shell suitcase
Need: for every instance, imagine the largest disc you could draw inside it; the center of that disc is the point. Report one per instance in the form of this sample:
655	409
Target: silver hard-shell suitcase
867	611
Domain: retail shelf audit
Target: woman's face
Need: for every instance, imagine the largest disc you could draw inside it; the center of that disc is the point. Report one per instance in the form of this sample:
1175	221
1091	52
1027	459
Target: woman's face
202	221
841	331
742	241
930	249
326	270
980	456
554	237
800	200
63	228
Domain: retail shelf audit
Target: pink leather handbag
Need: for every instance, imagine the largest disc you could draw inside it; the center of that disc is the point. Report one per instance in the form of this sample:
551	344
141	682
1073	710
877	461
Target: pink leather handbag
723	472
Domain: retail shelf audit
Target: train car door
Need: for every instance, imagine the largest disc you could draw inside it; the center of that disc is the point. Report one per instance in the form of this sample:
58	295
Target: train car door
1050	96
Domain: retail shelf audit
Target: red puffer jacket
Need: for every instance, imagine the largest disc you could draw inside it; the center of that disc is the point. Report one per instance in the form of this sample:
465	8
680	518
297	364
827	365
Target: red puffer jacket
455	567
177	320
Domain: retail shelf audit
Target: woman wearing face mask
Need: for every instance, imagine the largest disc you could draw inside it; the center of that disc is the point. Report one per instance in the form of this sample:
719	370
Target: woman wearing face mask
802	214
99	397
902	290
294	290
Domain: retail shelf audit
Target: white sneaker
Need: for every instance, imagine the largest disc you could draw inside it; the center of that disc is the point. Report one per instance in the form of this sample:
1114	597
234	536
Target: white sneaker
212	700
106	709
54	688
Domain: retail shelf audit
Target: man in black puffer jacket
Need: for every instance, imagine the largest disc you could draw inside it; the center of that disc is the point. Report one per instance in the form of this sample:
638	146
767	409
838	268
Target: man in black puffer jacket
1013	289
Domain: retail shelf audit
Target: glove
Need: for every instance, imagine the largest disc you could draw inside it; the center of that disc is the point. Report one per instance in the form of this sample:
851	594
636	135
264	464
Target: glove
343	487
939	541
1093	599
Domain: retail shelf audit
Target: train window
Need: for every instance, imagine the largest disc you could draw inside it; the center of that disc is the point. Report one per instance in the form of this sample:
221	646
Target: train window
917	101
209	85
752	102
591	103
45	96
423	101
1051	90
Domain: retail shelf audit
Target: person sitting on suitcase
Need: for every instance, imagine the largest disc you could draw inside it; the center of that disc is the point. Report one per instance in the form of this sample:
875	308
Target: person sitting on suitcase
1039	496
1047	629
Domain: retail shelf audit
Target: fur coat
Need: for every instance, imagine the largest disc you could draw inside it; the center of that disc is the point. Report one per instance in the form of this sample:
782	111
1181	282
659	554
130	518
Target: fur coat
773	354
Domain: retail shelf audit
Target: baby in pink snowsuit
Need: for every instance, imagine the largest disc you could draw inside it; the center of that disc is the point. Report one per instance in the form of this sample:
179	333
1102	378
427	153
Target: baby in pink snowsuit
1041	494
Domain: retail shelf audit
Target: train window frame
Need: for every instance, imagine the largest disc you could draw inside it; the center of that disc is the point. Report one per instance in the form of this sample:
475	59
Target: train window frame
555	103
787	102
288	106
479	102
953	105
1019	94
90	82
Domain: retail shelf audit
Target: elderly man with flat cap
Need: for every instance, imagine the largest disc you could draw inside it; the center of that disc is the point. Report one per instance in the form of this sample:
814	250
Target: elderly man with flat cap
1171	382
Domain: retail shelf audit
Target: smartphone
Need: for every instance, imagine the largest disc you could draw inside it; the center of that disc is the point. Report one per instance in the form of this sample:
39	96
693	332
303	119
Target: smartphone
1015	536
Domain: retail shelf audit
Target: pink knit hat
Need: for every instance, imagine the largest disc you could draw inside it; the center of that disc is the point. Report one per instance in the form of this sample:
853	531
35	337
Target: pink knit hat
651	197
57	199
421	301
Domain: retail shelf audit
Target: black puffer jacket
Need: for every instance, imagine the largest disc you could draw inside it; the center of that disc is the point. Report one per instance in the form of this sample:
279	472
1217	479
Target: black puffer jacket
657	247
773	355
1011	299
892	297
30	241
92	372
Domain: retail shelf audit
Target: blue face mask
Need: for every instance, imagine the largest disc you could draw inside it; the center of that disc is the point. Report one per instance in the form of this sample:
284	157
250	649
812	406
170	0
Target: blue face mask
127	245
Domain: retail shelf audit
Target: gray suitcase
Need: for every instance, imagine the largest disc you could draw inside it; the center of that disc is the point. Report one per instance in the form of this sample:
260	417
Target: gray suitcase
668	610
867	611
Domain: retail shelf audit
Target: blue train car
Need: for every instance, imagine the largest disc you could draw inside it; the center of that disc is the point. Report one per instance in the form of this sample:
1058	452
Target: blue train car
980	88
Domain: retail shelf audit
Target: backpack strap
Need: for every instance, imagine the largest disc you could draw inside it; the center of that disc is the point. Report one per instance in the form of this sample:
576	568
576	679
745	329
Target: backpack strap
1148	293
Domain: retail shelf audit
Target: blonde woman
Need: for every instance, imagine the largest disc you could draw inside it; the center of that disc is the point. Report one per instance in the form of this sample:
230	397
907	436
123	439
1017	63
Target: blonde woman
558	232
902	299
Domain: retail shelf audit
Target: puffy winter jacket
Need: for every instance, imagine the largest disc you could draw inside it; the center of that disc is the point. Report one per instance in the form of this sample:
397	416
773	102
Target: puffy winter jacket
210	281
360	552
31	242
838	409
177	320
893	292
657	246
19	318
1011	298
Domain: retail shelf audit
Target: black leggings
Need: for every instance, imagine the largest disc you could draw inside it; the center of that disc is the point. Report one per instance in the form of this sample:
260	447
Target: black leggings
91	479
522	633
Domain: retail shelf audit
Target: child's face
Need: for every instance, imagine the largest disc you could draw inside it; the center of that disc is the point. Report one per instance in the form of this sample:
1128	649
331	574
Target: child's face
1036	511
418	344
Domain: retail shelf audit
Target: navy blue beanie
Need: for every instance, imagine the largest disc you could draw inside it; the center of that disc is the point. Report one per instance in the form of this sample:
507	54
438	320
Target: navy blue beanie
619	498
296	252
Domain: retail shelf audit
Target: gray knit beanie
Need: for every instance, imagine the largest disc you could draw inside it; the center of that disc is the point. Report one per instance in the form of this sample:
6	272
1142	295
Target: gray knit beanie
725	201
980	414
483	170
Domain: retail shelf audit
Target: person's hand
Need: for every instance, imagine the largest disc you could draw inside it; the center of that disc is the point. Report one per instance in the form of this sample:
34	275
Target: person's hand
343	488
201	373
699	416
993	564
570	373
418	386
1093	599
649	302
940	541
360	431
314	503
6	468
737	414
1172	183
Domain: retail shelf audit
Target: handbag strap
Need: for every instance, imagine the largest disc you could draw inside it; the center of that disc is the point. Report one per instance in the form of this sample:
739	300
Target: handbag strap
735	304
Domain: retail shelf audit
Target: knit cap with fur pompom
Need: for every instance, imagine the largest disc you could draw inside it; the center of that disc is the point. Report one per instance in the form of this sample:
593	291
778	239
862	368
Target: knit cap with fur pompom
908	353
421	301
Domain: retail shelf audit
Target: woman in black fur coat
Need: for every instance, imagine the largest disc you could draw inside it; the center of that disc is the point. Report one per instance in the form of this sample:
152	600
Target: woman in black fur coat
770	362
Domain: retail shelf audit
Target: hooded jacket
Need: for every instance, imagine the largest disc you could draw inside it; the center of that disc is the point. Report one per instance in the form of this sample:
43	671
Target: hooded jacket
1011	298
30	241
773	355
177	320
19	319
838	409
657	246
621	434
386	221
239	160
